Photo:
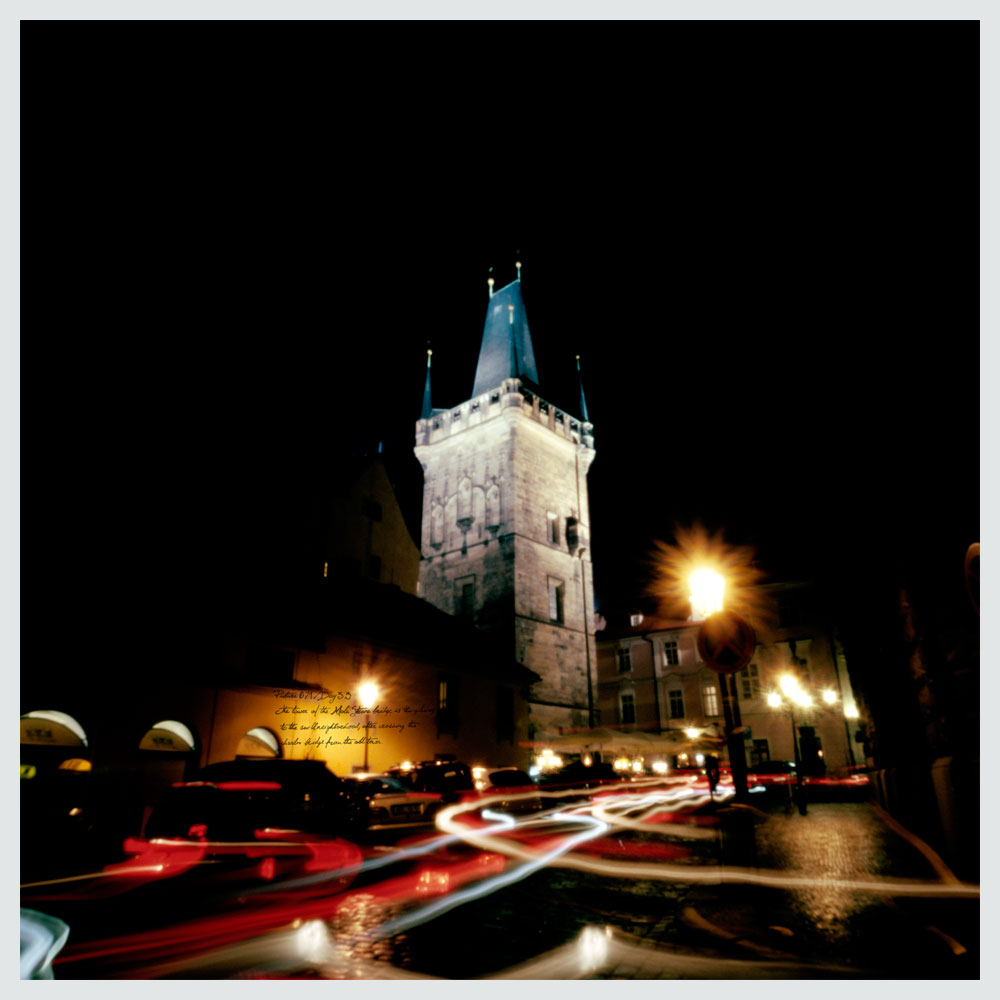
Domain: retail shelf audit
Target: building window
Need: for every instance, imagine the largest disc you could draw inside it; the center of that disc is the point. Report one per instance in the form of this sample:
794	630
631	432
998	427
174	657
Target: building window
710	699
670	655
676	698
465	596
625	660
572	533
553	528
628	709
760	752
557	594
750	682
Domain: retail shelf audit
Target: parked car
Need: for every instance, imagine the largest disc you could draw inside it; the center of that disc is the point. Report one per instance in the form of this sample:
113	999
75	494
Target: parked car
393	804
513	782
771	772
446	777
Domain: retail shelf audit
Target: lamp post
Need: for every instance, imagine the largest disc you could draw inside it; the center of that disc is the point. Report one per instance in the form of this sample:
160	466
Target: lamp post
368	693
794	694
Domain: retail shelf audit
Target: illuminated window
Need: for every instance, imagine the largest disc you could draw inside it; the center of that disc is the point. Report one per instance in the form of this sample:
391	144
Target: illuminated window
448	700
670	655
676	698
557	593
624	660
710	699
627	709
750	682
553	528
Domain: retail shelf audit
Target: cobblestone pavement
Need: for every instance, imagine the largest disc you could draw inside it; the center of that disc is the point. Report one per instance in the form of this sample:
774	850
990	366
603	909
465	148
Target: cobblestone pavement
872	933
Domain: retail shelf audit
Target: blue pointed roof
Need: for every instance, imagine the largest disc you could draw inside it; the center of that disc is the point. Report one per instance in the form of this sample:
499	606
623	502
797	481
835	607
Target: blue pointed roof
506	351
426	410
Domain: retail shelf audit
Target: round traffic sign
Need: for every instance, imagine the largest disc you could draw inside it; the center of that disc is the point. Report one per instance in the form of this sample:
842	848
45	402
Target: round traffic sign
726	642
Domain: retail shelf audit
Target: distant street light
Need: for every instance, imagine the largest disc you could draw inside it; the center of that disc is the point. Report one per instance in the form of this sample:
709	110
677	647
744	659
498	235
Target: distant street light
368	695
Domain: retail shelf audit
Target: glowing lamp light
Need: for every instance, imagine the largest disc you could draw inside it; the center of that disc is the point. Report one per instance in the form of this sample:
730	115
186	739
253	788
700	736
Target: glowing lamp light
774	699
368	694
587	760
830	696
692	734
660	766
789	684
707	590
621	764
637	766
850	712
699	759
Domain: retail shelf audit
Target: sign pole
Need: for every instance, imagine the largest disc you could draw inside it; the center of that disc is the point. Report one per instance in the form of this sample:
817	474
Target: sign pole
734	737
726	644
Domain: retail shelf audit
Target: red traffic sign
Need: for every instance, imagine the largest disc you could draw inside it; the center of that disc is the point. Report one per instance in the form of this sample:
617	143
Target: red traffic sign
726	642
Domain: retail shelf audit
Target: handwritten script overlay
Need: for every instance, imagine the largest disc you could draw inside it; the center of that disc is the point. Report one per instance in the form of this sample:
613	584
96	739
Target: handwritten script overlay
325	719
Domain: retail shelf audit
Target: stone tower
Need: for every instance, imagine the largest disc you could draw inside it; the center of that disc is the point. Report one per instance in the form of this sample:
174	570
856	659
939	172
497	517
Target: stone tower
505	531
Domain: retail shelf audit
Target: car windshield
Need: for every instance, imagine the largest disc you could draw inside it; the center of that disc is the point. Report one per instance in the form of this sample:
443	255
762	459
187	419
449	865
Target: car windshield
384	783
509	779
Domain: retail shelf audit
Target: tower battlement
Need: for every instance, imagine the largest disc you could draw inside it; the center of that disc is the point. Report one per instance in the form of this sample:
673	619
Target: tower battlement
511	395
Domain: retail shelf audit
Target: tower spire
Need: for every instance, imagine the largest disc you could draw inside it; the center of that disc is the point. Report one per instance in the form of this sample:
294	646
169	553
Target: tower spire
506	350
425	410
583	400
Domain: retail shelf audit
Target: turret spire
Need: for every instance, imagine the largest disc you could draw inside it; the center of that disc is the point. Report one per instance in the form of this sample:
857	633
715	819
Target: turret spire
583	401
425	410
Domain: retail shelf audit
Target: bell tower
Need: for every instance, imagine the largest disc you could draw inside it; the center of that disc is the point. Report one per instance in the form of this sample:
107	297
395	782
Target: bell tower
506	526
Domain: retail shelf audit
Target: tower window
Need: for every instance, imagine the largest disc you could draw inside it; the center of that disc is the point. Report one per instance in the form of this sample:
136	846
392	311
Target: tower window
572	533
670	655
557	593
465	596
553	520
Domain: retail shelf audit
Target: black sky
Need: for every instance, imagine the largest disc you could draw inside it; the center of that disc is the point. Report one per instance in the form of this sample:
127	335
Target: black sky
774	293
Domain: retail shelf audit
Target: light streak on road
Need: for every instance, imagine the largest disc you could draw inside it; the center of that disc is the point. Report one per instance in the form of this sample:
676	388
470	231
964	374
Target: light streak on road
594	829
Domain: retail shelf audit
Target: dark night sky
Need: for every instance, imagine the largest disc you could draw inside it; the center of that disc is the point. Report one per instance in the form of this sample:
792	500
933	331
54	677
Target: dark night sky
776	307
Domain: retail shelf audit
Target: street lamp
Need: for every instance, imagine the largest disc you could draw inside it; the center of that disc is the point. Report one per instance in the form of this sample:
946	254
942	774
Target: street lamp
368	695
707	591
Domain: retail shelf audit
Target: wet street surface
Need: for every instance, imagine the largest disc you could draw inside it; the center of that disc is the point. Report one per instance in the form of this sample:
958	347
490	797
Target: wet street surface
640	882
